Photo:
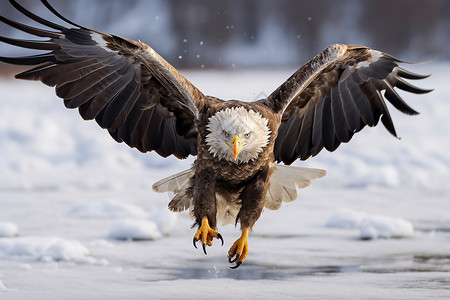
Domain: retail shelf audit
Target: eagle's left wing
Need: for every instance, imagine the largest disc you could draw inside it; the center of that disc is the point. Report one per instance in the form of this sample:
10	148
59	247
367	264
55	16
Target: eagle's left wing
335	95
124	85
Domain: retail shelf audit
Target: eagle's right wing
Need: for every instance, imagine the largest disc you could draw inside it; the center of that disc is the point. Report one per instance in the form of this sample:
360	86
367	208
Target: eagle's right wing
125	85
335	95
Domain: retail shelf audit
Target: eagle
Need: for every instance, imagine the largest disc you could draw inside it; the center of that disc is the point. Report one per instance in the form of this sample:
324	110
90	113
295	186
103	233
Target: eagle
142	100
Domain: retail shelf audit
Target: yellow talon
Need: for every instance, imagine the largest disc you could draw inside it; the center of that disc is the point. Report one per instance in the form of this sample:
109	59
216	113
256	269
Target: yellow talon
205	234
239	250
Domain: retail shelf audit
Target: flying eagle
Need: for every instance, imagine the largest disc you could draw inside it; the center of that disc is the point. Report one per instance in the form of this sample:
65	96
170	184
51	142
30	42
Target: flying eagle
145	102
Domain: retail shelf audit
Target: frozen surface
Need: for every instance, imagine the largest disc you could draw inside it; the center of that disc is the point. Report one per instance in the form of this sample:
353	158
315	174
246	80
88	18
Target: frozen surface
8	229
71	191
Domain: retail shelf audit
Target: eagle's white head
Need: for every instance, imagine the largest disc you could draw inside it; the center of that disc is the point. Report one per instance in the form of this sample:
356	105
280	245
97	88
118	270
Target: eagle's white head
237	134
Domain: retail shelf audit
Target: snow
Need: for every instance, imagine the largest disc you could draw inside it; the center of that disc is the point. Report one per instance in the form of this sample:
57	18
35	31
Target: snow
8	229
134	230
47	249
164	219
91	227
346	219
130	221
2	286
106	210
371	226
374	227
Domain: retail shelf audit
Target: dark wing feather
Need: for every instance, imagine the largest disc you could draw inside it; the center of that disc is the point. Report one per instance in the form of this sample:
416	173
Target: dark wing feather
124	85
335	95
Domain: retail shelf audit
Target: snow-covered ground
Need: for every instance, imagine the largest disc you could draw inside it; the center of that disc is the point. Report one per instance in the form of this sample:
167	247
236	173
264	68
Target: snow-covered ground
78	218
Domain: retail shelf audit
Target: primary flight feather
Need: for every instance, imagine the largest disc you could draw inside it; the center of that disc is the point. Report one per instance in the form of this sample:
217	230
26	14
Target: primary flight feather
145	102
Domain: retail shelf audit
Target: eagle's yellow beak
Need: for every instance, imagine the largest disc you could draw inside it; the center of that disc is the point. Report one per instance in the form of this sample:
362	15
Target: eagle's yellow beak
236	146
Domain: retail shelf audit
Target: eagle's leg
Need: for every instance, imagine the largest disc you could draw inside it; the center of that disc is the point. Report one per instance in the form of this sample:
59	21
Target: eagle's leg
239	250
253	198
205	208
205	234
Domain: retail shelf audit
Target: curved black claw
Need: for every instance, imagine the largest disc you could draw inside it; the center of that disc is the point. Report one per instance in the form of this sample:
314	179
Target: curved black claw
195	241
230	260
204	248
219	236
237	265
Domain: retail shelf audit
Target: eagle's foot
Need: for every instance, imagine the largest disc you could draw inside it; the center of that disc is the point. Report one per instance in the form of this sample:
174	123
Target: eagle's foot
238	252
205	234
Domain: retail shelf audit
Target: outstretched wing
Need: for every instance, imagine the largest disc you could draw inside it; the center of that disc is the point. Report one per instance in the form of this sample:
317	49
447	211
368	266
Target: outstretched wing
125	85
333	96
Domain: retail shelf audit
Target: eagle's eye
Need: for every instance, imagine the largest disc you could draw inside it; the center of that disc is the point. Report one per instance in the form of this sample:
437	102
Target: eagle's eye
227	135
247	135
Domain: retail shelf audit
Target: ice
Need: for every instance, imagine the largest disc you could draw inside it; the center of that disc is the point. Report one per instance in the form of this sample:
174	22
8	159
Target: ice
8	229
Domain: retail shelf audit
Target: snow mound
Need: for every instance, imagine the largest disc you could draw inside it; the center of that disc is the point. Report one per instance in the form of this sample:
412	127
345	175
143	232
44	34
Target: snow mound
48	249
106	210
133	222
164	219
371	226
8	229
346	219
2	286
134	230
374	227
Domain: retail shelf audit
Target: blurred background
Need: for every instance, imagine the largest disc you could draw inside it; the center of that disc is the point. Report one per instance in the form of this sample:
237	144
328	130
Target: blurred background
259	33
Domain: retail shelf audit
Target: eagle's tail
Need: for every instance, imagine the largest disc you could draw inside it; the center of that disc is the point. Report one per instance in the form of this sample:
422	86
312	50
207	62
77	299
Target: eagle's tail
283	186
176	184
284	183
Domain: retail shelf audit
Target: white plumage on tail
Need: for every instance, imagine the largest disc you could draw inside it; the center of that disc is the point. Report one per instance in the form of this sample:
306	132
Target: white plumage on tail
284	183
283	188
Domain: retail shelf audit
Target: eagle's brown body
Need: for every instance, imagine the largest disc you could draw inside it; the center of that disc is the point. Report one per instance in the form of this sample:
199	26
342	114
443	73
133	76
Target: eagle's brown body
140	99
245	185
